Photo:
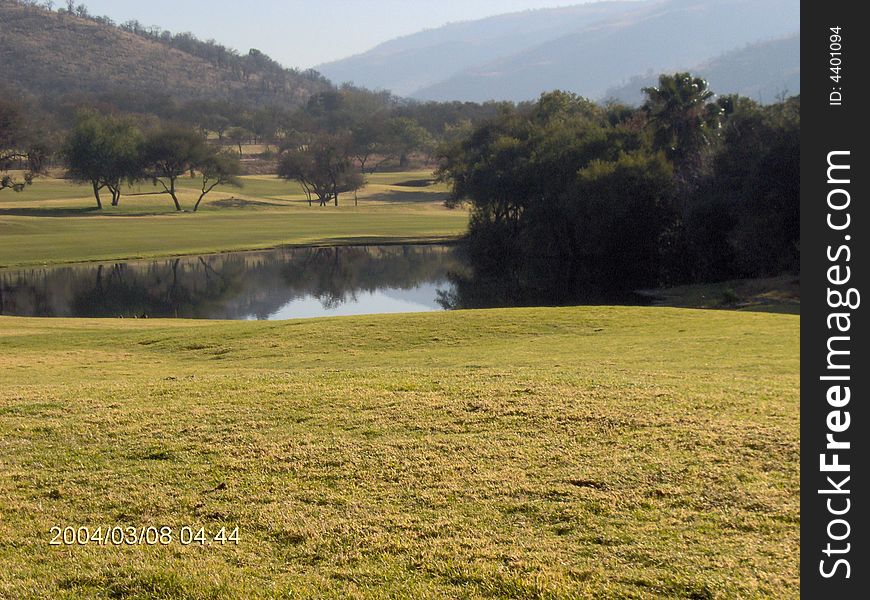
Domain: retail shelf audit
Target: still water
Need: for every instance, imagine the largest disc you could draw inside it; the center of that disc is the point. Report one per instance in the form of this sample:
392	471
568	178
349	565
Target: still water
276	284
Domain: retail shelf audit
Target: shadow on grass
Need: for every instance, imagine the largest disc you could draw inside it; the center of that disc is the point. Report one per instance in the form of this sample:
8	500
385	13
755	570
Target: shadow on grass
50	212
373	240
415	183
91	211
240	203
408	197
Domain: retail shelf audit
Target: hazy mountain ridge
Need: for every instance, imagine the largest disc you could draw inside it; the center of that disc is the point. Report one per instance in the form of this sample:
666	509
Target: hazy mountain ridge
611	44
411	62
760	71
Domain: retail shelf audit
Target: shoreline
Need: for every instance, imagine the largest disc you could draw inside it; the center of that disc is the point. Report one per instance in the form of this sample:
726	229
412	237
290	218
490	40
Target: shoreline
337	242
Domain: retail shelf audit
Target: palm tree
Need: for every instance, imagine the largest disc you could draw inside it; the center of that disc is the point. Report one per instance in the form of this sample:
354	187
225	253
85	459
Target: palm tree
684	121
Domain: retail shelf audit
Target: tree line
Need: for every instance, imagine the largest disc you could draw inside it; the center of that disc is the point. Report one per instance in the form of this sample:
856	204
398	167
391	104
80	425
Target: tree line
567	196
571	199
329	145
108	151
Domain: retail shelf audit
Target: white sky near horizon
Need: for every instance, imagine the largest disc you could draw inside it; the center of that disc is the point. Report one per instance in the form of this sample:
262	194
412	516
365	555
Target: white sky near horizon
306	33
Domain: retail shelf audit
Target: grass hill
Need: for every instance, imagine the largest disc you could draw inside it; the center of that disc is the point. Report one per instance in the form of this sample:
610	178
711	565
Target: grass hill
53	54
589	452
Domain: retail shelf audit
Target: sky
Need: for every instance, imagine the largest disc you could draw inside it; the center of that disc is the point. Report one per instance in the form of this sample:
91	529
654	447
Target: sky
305	33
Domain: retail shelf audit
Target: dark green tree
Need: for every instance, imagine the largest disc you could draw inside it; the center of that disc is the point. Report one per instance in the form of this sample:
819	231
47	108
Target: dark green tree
18	146
103	151
405	136
170	152
217	168
238	136
685	122
323	168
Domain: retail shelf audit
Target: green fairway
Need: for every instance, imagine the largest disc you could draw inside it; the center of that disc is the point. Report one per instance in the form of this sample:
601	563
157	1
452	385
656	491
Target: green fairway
54	221
599	452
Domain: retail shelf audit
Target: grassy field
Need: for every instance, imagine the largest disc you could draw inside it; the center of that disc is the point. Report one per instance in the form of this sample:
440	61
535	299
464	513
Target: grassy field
55	221
599	452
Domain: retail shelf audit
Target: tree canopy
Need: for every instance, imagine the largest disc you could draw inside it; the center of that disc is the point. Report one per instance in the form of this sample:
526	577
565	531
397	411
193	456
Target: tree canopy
570	199
323	168
19	146
103	151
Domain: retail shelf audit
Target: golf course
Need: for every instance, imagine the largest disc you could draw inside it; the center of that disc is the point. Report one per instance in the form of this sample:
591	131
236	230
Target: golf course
575	452
55	221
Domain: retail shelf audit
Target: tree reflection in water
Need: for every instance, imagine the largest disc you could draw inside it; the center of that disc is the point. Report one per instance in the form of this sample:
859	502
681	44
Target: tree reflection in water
237	285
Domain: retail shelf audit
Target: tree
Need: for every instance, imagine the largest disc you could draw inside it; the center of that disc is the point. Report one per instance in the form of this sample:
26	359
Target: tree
491	168
622	213
367	139
404	136
217	123
170	152
217	168
322	167
21	147
755	182
566	204
264	124
103	151
238	136
684	121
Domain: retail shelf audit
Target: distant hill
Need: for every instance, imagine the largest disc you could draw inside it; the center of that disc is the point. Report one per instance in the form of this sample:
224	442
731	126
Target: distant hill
589	49
410	63
760	71
48	54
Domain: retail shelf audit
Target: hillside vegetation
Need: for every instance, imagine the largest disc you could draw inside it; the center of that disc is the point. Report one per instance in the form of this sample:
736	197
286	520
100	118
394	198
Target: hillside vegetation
597	452
36	47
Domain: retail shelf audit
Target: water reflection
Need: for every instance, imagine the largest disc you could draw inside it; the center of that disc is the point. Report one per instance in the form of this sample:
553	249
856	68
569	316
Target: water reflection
275	284
494	280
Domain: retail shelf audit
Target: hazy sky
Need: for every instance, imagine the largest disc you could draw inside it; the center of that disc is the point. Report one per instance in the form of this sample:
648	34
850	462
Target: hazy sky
305	33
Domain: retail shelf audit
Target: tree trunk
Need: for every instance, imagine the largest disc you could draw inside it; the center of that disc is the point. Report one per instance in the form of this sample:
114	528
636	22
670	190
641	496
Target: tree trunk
174	197
97	195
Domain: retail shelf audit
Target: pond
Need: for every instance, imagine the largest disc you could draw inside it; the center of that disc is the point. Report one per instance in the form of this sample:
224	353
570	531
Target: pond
285	283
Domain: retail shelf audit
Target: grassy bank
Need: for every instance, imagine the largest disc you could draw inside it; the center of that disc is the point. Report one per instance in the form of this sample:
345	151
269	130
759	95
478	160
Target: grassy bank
772	294
57	222
524	453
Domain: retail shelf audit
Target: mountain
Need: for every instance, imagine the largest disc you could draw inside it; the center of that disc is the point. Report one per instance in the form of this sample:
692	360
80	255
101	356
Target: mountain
407	64
588	49
51	54
759	71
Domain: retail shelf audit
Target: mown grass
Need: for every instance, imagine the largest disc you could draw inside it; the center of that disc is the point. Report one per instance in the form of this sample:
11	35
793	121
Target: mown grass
54	221
598	452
